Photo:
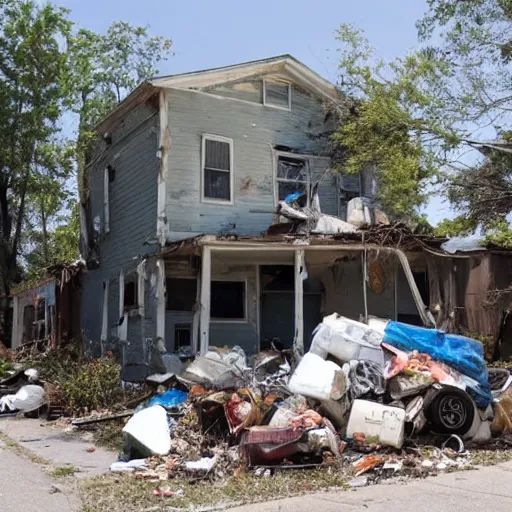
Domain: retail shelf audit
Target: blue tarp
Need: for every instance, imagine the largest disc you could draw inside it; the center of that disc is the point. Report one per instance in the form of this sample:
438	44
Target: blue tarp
169	399
463	354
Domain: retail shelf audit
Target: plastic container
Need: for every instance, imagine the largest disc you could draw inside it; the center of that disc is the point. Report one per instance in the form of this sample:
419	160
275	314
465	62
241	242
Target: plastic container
148	431
347	340
376	420
319	379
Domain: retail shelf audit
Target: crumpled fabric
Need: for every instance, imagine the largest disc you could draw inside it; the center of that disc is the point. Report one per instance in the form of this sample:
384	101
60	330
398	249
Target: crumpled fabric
365	377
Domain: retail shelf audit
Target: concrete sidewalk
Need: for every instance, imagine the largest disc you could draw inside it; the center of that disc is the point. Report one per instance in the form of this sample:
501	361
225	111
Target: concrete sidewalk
483	489
59	447
25	486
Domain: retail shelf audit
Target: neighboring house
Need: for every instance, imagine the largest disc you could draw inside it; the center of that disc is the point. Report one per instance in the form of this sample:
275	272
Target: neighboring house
211	153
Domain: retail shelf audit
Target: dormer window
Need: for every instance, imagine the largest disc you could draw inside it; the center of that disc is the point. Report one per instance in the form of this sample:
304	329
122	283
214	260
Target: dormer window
277	94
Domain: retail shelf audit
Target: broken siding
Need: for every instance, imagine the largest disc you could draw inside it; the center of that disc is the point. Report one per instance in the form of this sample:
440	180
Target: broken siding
133	214
255	129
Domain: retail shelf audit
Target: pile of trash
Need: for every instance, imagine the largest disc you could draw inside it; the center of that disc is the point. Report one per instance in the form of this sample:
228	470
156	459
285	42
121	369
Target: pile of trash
375	400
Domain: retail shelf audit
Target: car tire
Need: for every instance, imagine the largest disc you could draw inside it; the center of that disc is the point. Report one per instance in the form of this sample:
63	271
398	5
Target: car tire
451	411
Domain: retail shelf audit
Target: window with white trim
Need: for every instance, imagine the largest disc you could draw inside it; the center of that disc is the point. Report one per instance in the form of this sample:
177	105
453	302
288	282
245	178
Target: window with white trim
217	169
277	94
292	177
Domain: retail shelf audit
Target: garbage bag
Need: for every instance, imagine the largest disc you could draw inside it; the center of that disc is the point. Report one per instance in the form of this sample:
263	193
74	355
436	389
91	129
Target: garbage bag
347	340
169	399
28	398
365	377
463	354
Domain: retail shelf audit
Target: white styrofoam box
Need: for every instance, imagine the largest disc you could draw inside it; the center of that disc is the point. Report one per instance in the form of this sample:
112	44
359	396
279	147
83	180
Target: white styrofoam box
316	378
377	420
149	431
347	340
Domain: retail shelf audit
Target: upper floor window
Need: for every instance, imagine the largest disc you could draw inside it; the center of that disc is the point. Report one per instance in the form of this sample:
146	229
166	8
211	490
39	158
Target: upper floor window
292	177
217	169
277	94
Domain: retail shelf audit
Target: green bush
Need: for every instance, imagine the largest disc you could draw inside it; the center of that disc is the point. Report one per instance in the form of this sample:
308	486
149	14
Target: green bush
82	385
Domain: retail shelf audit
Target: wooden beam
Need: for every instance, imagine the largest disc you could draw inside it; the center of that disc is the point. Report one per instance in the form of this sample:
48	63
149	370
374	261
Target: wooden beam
204	322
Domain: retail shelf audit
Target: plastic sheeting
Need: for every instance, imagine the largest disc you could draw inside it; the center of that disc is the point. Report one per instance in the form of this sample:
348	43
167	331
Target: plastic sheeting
463	354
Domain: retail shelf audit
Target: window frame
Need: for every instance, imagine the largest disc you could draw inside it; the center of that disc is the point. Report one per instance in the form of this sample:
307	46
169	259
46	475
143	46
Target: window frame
217	138
277	180
216	320
278	107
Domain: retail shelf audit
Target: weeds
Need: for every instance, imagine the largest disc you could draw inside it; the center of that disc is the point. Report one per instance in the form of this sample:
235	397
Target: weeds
64	471
80	385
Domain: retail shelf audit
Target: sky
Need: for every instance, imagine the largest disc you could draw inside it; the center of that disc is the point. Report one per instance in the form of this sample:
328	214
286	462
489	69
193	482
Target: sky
208	33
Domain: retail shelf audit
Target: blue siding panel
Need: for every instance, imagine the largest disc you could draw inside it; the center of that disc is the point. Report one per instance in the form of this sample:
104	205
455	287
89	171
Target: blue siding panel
133	214
255	129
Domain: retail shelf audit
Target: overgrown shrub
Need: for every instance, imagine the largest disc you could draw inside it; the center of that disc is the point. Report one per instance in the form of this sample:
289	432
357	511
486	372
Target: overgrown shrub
83	385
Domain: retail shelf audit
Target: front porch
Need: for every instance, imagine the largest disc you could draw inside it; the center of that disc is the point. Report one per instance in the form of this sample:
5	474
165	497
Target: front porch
256	292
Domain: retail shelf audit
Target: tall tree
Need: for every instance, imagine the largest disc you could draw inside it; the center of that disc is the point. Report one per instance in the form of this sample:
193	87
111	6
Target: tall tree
106	67
391	119
32	83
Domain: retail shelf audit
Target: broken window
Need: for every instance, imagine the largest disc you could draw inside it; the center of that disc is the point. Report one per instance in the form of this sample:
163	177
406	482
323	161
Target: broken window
217	168
130	295
277	94
350	187
181	294
292	177
227	300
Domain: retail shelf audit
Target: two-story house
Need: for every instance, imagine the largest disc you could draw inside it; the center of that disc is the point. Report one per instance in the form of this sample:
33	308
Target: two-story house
183	183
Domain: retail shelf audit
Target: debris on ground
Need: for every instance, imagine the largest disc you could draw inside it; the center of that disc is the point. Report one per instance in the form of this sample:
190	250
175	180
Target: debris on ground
367	403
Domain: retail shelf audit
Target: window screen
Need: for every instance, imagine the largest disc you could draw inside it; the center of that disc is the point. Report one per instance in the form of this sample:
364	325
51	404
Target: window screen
227	300
217	169
277	94
181	294
292	176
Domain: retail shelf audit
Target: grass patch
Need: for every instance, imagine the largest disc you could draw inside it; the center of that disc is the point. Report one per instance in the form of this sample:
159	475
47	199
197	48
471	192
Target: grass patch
123	493
64	471
481	457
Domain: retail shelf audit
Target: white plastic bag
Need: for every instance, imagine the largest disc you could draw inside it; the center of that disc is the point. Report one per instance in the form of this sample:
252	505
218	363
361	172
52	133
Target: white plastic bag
29	398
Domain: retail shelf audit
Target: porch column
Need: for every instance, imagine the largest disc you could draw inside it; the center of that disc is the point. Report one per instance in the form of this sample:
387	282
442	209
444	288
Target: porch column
204	320
195	320
298	342
160	300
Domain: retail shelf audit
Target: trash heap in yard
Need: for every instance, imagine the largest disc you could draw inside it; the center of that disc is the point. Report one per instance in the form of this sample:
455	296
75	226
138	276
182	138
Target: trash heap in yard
360	400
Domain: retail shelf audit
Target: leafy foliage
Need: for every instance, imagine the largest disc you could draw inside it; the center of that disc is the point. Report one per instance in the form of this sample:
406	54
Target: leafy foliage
393	122
500	234
32	82
460	226
83	385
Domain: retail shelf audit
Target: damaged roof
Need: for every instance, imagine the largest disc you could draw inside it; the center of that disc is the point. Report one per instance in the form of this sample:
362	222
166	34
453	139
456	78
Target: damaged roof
283	66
